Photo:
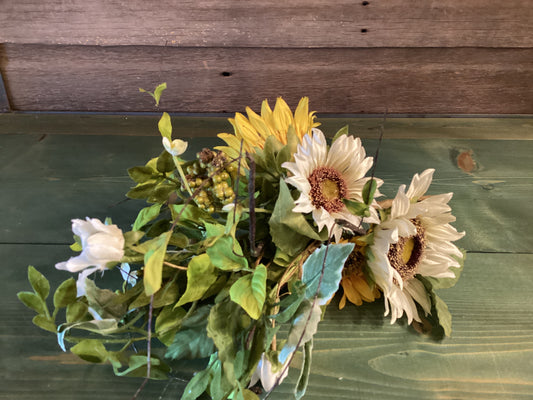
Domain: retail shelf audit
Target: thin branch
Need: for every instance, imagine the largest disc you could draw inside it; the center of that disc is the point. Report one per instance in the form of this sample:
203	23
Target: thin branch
148	349
175	266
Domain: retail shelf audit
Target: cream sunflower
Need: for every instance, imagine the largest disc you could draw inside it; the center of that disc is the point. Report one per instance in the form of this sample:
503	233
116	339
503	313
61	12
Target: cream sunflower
325	179
255	129
414	239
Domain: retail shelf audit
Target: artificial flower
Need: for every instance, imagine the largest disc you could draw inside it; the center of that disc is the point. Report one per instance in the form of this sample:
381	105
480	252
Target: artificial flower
254	130
415	238
100	244
354	282
325	179
177	147
265	373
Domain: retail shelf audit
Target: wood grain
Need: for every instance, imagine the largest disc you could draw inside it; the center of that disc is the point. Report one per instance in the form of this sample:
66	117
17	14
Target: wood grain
92	78
201	126
255	23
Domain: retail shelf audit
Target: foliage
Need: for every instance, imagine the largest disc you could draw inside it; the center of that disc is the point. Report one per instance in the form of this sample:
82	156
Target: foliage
214	266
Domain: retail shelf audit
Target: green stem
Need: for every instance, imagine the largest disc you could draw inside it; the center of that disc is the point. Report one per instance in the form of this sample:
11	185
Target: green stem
182	175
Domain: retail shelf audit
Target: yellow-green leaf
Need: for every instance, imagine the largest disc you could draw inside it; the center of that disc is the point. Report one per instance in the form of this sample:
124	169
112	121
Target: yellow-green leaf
250	291
153	263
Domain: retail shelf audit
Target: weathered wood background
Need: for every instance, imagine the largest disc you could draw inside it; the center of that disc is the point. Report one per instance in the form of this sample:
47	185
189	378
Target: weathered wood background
349	56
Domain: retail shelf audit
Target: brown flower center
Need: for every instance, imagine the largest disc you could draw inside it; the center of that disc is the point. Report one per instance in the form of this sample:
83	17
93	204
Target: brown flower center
328	188
354	264
406	254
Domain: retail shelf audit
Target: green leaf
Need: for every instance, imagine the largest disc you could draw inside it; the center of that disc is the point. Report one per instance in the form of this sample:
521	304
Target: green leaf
132	237
445	318
146	215
65	294
335	256
141	174
286	153
39	283
303	379
439	310
168	322
227	325
199	382
141	191
250	291
45	323
165	163
153	263
105	302
226	254
91	350
165	126
191	344
137	367
76	246
303	327
368	191
289	305
357	208
76	311
290	231
157	92
162	193
200	276
34	301
340	132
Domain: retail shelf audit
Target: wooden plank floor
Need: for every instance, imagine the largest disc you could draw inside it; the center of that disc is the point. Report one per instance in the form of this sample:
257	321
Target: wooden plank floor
47	180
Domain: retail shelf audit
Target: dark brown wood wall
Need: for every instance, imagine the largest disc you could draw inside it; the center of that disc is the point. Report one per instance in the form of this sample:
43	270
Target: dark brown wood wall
423	57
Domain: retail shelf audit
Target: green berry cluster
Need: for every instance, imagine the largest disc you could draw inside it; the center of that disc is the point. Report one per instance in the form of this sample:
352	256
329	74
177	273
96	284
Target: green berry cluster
214	176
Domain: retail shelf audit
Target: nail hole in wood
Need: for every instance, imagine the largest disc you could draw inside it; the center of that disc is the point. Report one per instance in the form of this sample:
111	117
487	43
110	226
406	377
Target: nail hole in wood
364	30
365	3
226	73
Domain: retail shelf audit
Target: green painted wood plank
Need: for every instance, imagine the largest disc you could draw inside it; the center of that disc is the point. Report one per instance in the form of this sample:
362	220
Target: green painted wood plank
358	354
397	127
47	182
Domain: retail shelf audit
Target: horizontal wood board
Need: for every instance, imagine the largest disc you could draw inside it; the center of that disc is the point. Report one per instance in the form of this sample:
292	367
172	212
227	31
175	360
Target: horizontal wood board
353	81
255	23
202	126
357	353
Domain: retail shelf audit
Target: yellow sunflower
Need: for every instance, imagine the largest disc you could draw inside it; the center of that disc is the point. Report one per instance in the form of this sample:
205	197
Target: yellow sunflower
354	282
254	130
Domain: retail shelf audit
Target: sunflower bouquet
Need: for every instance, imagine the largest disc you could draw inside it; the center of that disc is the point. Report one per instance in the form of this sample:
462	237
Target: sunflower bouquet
239	252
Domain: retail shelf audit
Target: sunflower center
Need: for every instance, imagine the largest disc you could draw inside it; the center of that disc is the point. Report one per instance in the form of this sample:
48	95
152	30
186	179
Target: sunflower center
328	188
406	254
354	264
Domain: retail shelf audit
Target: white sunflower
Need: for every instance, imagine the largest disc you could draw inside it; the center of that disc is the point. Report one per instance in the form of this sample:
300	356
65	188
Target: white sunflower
414	239
325	179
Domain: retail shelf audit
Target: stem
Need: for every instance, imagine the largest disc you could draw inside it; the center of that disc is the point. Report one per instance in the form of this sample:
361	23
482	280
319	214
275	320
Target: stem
148	349
175	266
182	175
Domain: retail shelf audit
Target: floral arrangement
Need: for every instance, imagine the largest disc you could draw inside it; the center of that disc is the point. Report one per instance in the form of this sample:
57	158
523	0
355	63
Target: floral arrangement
240	251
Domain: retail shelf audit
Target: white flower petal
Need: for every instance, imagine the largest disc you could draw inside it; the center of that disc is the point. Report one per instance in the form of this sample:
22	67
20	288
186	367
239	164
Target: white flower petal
420	184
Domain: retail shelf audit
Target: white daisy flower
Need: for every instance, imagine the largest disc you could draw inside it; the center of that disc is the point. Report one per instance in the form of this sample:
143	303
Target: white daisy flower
325	179
415	239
